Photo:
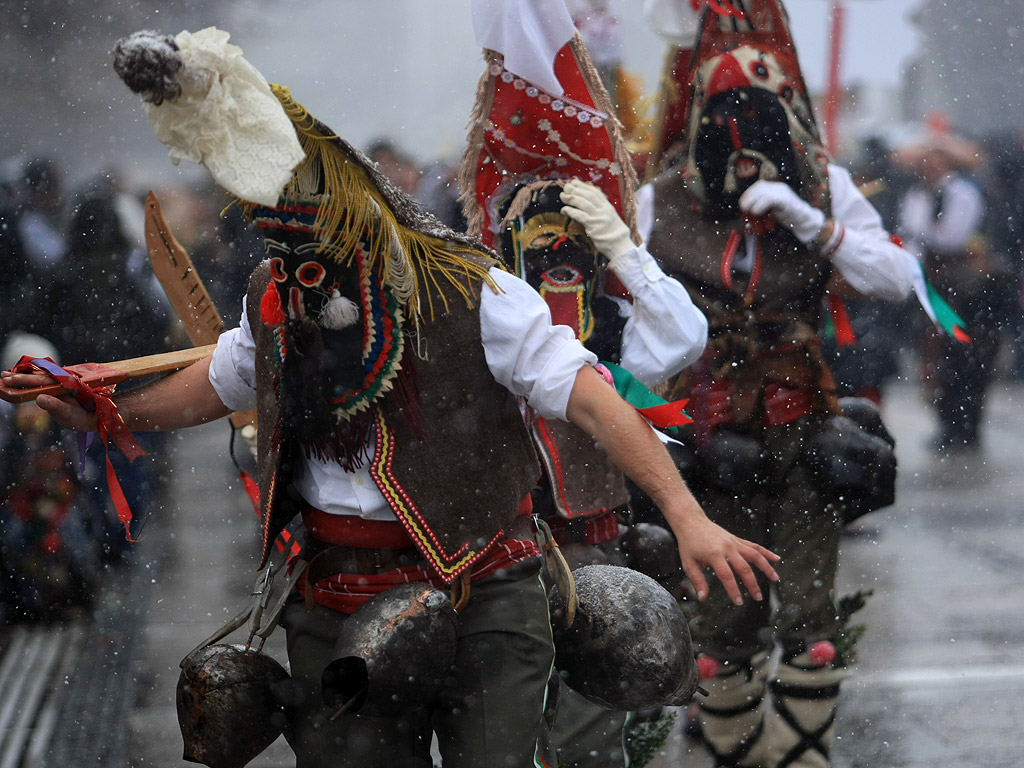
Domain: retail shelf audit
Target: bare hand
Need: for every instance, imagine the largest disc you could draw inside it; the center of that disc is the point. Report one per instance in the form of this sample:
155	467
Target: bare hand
66	411
707	545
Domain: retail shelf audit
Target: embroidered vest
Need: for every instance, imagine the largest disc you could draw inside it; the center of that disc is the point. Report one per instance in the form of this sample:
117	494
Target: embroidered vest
456	488
583	480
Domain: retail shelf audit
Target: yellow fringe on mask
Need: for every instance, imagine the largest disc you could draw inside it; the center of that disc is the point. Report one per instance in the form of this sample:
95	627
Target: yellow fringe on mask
353	213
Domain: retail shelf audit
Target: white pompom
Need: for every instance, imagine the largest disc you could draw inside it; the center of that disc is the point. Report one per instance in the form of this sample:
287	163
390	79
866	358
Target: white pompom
339	312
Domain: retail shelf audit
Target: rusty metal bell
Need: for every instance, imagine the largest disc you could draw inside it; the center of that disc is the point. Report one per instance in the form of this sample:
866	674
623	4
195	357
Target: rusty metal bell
229	704
393	652
629	647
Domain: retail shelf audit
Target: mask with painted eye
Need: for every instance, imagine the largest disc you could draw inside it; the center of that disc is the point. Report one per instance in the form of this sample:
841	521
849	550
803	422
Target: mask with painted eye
322	325
546	246
312	287
553	254
554	251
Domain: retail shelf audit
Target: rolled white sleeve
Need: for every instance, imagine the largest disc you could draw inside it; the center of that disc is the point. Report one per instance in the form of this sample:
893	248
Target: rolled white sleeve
867	259
664	331
525	353
233	367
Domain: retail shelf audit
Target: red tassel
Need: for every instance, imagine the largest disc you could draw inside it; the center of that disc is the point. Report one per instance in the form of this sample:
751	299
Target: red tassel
251	490
271	311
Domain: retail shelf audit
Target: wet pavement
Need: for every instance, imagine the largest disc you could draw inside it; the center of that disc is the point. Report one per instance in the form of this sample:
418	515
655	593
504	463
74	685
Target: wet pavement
939	681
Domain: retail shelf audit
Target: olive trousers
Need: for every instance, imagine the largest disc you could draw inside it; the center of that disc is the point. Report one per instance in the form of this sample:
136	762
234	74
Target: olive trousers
489	713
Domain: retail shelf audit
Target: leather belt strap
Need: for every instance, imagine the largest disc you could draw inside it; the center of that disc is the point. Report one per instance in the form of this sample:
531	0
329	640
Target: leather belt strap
357	560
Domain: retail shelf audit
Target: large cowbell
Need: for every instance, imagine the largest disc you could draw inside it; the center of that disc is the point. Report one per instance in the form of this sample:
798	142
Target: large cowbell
393	652
229	702
629	647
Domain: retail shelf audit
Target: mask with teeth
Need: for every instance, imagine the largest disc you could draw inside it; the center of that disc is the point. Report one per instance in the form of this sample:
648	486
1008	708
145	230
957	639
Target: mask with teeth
552	253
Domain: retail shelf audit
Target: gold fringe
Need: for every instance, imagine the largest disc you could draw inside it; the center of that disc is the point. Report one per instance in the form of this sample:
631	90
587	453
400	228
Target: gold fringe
354	213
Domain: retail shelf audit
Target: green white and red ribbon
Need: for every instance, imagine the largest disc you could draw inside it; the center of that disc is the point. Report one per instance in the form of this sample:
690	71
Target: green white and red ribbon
657	410
837	322
941	314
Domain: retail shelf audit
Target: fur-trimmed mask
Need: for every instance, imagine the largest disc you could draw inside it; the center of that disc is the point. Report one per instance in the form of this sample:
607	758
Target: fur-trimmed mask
553	253
541	243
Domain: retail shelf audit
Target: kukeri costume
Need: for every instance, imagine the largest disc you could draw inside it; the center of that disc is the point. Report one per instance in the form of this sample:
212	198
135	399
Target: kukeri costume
543	124
745	191
384	353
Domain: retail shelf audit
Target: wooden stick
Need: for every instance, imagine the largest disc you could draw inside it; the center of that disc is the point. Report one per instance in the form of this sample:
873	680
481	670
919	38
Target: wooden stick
110	374
184	288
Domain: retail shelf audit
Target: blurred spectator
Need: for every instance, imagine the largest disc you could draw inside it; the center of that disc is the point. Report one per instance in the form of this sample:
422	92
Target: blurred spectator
236	251
395	164
48	560
39	225
439	193
942	220
106	284
1004	189
31	242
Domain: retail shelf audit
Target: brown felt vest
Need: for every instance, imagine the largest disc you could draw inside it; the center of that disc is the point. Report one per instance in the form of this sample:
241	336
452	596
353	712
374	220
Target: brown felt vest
462	483
770	335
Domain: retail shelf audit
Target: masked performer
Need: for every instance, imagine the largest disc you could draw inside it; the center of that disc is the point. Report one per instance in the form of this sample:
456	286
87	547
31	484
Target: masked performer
547	179
752	217
385	354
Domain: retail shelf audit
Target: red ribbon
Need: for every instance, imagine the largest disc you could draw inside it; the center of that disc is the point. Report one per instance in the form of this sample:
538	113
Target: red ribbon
724	8
667	415
845	336
109	424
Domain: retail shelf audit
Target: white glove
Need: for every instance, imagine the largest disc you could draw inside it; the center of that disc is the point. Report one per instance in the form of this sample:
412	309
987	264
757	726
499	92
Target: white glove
786	206
588	205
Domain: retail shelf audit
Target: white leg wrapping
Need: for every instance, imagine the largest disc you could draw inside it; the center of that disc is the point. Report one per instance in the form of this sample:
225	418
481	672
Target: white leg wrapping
800	726
731	713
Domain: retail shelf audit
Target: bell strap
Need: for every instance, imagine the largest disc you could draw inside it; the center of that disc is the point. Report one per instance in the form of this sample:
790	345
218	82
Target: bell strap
558	569
256	611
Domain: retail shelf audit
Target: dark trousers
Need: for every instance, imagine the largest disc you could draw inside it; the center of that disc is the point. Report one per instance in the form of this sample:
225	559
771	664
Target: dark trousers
490	712
790	516
963	372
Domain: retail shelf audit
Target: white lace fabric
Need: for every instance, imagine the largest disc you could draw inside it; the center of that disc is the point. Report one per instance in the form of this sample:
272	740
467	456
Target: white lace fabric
228	119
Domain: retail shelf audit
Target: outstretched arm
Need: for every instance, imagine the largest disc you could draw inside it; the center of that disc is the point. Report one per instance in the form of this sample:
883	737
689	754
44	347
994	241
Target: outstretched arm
185	398
632	445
